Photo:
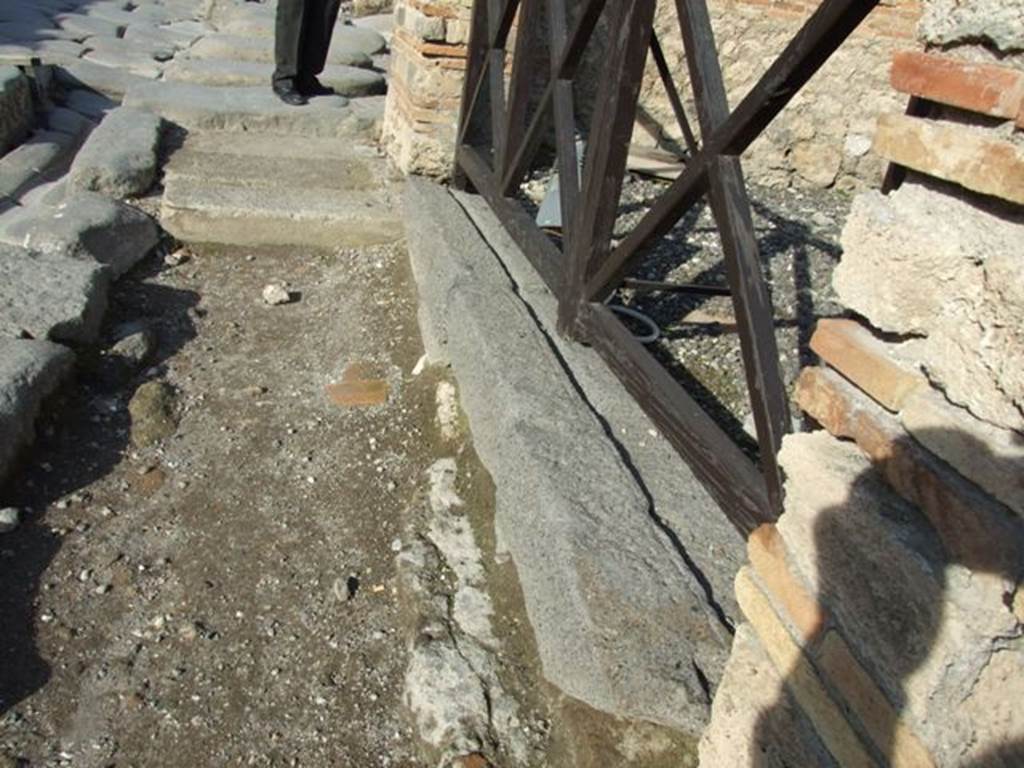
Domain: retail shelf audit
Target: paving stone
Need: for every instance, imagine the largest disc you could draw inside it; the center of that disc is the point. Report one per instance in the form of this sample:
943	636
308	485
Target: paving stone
240	48
88	226
962	154
30	371
251	109
159	39
268	147
90	104
143	14
42	158
68	121
16	115
197	211
119	158
347	81
49	194
83	26
88	75
49	51
134	48
350	38
190	30
17	32
50	296
140	64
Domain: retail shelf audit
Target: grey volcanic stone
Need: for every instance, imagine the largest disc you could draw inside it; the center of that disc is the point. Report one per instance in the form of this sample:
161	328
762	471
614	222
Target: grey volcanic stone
30	371
119	157
621	622
68	121
82	26
134	62
88	75
93	105
50	296
88	226
249	109
347	81
15	108
42	158
261	49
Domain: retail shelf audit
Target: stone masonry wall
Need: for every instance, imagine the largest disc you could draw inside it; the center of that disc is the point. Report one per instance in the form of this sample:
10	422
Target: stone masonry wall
885	610
822	139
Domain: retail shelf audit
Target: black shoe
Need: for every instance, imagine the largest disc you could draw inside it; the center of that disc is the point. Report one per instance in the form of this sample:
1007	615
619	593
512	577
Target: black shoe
287	93
314	87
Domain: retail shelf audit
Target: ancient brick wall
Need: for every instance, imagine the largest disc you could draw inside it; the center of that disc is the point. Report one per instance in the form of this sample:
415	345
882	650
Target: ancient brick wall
822	139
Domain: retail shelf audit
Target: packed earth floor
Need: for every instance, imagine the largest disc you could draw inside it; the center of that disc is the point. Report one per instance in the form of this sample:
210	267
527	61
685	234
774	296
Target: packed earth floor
229	596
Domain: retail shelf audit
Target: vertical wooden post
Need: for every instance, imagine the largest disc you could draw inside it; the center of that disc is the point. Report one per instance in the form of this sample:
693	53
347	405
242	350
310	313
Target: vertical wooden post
475	62
731	207
607	149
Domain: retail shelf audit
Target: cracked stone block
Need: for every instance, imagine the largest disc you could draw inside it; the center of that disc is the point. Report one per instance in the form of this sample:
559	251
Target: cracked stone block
30	371
50	296
88	226
119	158
15	108
952	276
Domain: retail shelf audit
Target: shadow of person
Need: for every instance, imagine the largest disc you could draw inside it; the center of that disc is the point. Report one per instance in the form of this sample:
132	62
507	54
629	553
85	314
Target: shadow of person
918	638
82	434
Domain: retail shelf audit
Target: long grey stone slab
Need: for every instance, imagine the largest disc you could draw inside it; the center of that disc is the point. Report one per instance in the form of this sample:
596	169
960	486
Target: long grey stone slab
261	49
622	620
88	75
83	26
17	32
250	170
158	38
15	108
89	227
92	105
197	211
347	81
48	51
50	296
30	371
140	64
261	145
135	48
248	109
42	158
120	156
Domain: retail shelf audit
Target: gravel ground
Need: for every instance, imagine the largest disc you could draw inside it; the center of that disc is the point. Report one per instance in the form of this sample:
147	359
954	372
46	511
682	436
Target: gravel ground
226	596
798	235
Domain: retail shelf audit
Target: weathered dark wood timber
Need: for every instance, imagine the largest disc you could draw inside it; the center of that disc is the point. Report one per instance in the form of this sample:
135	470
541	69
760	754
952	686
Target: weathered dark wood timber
497	144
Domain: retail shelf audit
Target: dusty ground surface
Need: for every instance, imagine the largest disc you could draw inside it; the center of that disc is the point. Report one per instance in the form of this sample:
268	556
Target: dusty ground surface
227	596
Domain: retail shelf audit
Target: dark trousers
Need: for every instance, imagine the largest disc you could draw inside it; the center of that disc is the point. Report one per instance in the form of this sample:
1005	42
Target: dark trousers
302	37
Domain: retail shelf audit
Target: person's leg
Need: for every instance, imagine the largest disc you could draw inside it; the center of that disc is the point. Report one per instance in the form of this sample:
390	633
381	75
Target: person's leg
316	42
289	31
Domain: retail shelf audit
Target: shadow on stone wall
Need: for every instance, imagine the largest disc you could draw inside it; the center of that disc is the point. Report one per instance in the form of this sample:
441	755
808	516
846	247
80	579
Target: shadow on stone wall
907	626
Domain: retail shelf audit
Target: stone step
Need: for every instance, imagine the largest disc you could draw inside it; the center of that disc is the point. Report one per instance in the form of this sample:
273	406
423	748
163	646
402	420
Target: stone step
30	371
197	211
335	173
44	157
269	145
347	81
260	49
253	109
